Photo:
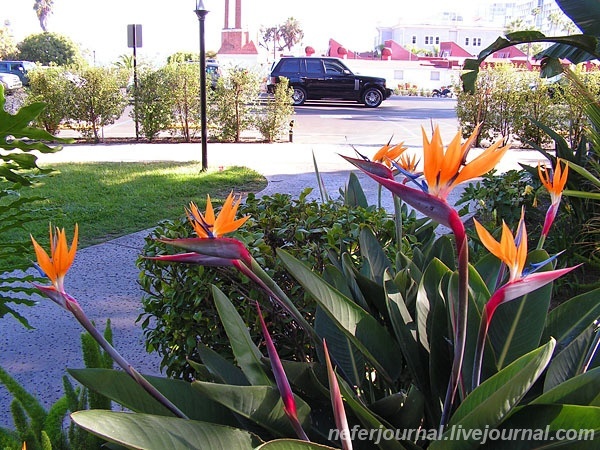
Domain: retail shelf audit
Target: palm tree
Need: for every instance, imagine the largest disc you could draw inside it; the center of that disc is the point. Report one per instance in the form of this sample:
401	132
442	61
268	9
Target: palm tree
43	8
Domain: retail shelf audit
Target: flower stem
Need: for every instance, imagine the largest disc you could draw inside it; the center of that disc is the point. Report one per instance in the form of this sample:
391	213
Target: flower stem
398	217
85	322
260	277
458	314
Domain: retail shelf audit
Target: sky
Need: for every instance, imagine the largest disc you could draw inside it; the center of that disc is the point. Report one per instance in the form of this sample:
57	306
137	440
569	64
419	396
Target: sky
100	27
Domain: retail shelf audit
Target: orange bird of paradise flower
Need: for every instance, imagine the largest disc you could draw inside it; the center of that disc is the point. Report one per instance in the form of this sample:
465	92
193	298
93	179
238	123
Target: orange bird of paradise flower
389	153
444	170
207	226
512	251
56	265
555	186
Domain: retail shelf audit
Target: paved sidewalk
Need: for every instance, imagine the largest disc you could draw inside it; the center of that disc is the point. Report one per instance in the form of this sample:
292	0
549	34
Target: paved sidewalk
104	277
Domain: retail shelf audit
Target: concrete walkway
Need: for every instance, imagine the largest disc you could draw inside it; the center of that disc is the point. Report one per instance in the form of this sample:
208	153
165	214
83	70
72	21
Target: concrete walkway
104	277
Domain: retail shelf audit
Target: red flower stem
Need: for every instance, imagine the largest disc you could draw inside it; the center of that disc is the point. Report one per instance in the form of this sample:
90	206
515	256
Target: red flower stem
81	317
262	279
458	314
480	347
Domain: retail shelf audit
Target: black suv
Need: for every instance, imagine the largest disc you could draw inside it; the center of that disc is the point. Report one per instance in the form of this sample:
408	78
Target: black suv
327	78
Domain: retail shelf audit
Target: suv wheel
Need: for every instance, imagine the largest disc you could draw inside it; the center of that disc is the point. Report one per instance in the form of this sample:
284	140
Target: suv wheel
299	96
372	97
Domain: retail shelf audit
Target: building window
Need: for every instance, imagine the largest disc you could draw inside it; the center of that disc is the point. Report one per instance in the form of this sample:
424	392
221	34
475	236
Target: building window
477	42
437	40
398	74
428	40
414	39
435	76
466	41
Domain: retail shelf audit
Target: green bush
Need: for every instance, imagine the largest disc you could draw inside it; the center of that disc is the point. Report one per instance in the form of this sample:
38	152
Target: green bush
276	114
51	86
151	104
178	307
232	104
97	99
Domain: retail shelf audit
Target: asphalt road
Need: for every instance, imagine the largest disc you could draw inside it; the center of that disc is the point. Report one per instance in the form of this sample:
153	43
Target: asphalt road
326	122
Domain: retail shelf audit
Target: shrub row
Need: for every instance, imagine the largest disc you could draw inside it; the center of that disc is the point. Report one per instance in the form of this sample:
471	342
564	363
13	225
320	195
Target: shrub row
164	101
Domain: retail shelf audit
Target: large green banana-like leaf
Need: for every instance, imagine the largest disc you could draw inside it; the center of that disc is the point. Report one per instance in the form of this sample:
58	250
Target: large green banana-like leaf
581	390
369	420
570	361
148	432
120	387
364	331
291	444
493	400
260	404
584	13
517	326
247	354
225	371
547	427
569	319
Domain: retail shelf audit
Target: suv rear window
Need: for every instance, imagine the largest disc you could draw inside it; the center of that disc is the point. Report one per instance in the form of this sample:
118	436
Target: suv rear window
289	65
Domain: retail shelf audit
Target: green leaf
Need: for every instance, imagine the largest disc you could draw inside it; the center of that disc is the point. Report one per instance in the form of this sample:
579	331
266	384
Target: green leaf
354	194
372	339
291	444
371	250
247	354
581	390
406	334
517	326
569	319
367	417
584	13
492	401
570	361
535	427
121	388
220	368
260	404
346	356
147	432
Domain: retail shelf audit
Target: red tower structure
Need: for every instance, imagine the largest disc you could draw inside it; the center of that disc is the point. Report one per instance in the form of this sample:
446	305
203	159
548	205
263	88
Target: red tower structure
234	40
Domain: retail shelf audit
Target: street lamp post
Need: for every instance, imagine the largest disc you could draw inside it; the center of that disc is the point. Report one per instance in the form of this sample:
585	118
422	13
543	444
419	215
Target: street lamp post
201	12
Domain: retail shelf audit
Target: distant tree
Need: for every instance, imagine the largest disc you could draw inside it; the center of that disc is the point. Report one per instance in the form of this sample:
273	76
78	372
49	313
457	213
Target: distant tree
291	33
281	36
7	45
49	48
180	57
43	8
125	62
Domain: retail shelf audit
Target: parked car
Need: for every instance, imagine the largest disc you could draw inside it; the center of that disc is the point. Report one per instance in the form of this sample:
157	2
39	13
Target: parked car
18	68
213	72
314	78
10	82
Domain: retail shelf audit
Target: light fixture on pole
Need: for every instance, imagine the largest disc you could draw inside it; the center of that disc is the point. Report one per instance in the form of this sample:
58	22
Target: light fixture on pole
201	12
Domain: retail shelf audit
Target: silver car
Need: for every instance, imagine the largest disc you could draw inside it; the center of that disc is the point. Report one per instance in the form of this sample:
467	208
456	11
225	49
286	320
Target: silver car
10	82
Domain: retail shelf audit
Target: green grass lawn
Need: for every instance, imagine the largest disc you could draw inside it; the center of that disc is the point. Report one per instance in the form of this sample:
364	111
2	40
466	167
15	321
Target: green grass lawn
109	200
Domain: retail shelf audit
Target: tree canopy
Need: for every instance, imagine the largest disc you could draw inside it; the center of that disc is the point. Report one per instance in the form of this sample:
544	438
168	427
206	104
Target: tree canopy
49	48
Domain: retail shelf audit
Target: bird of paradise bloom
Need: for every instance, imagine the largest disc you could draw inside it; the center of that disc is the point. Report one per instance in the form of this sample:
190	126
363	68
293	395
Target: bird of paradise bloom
555	185
212	247
56	265
443	170
207	226
389	153
512	251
